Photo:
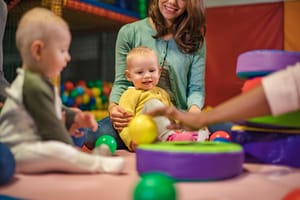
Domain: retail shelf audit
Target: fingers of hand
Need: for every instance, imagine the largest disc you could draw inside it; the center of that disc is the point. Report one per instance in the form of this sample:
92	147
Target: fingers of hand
77	133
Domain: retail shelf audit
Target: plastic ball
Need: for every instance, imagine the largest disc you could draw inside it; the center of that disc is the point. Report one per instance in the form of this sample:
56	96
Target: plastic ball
251	83
90	84
64	98
106	89
220	134
96	92
293	195
78	100
69	86
98	83
92	101
142	129
81	83
88	92
220	139
108	141
70	102
85	98
154	186
7	164
80	90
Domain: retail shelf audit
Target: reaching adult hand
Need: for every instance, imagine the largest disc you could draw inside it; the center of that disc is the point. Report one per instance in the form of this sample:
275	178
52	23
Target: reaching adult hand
180	120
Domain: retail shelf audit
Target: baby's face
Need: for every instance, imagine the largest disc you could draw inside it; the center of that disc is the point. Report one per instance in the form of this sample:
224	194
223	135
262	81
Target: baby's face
144	72
55	53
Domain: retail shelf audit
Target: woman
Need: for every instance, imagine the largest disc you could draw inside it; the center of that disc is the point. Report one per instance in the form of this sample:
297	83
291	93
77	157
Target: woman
175	29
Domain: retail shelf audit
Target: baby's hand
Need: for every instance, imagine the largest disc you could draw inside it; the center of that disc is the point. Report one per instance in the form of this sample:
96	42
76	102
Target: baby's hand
82	120
86	120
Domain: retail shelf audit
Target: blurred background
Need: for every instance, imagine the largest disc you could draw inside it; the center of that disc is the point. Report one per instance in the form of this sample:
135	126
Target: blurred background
233	27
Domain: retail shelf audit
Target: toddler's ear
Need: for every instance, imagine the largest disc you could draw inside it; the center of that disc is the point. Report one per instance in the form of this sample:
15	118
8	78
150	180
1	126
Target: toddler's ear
159	70
36	49
127	74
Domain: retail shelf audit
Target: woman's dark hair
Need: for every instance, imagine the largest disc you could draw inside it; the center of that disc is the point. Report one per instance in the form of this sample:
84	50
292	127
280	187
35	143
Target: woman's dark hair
188	29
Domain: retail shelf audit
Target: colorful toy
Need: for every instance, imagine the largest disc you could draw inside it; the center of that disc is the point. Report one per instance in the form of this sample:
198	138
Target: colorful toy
262	62
7	164
201	161
106	145
154	186
268	139
220	134
142	129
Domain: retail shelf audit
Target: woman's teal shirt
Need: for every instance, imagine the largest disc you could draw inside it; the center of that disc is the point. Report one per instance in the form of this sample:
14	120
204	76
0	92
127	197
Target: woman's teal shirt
187	71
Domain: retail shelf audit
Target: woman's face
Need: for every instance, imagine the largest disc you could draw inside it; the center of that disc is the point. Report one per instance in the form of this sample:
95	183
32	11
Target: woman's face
171	9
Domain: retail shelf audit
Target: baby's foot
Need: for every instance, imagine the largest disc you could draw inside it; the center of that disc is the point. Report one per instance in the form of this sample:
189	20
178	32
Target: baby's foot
203	134
102	150
183	136
112	164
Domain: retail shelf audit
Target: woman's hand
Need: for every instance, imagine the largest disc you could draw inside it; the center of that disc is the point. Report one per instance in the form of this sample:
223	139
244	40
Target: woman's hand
119	117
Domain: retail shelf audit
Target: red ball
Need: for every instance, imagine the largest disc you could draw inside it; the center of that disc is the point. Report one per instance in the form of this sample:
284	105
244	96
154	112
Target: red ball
220	134
251	83
69	86
81	83
293	195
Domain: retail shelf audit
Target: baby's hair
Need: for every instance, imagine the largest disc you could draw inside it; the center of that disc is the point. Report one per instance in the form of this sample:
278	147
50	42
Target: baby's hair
140	50
36	24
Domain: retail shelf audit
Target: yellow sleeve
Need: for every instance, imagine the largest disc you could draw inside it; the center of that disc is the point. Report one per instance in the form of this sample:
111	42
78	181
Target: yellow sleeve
128	101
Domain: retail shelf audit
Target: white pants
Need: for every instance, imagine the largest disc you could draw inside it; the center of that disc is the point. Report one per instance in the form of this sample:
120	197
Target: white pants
161	121
49	156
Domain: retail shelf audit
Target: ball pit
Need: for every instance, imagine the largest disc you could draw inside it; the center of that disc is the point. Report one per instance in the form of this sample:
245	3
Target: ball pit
87	96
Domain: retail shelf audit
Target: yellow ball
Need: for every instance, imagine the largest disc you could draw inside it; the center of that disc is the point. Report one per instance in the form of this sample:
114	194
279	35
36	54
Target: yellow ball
142	129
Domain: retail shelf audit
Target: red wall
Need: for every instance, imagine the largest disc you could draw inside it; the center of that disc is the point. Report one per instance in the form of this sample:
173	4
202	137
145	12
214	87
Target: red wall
234	30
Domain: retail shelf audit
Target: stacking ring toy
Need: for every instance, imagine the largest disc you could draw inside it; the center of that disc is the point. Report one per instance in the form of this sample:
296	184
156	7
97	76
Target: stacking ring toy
272	147
185	161
262	62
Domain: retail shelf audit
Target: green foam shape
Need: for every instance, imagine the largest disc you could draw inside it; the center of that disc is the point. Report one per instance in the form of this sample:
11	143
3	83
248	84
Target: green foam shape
291	120
196	147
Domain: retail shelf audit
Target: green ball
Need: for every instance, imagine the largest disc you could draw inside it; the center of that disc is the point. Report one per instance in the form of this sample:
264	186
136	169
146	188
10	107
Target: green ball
155	186
107	140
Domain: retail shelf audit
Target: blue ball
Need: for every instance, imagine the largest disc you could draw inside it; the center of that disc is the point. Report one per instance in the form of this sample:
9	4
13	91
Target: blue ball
80	90
220	139
7	164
